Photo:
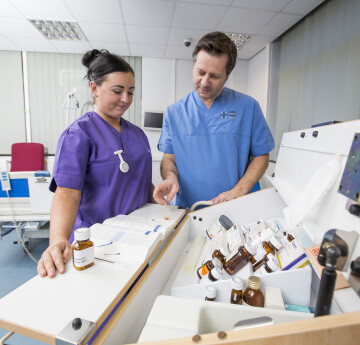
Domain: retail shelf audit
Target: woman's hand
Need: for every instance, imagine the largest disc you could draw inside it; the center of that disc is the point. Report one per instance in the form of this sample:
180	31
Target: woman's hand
54	258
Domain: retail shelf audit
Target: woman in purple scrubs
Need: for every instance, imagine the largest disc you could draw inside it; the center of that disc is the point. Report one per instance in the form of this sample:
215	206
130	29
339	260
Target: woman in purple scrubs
89	181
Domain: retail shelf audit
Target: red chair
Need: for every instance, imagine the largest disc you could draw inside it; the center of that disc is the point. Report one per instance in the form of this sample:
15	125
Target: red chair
27	157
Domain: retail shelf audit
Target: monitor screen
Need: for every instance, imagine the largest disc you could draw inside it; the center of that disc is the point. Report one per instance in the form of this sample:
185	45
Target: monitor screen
153	120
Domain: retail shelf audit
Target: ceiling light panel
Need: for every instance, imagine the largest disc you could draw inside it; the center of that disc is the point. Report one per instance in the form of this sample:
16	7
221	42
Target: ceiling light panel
59	30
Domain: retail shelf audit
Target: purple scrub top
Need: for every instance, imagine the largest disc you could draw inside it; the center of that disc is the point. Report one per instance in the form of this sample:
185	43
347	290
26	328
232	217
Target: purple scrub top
85	160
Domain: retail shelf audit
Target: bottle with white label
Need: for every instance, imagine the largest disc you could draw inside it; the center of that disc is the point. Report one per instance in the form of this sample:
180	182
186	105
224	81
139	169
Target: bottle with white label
82	249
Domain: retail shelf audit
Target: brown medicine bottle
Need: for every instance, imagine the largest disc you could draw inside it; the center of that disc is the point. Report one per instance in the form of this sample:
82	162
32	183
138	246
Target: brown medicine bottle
237	285
236	261
220	255
215	274
272	246
210	293
253	296
203	270
82	249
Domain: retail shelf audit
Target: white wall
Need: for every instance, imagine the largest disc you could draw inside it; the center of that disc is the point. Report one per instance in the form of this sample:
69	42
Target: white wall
258	79
164	81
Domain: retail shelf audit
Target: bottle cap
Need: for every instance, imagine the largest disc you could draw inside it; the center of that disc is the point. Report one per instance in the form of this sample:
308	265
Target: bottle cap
254	282
216	272
82	234
274	241
210	292
225	222
272	262
237	283
251	249
217	262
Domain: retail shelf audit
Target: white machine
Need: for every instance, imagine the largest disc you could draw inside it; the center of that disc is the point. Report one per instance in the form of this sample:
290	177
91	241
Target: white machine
163	304
25	202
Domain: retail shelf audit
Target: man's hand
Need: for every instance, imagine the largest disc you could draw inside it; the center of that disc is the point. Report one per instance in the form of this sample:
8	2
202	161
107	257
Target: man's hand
225	196
169	188
54	257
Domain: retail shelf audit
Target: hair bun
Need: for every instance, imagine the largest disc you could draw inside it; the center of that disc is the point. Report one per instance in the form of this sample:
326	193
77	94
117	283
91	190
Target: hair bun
89	57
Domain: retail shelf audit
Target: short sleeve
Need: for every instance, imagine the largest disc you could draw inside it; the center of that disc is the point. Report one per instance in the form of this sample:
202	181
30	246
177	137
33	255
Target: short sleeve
71	160
262	141
165	141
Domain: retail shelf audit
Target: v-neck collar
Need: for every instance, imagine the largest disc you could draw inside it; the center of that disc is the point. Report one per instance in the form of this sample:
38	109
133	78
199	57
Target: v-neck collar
202	105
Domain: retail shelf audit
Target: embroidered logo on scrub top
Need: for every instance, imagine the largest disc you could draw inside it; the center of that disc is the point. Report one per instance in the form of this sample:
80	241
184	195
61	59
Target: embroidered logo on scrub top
228	115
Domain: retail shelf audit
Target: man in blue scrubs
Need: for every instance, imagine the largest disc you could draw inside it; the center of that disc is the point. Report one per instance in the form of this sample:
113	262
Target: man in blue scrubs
216	142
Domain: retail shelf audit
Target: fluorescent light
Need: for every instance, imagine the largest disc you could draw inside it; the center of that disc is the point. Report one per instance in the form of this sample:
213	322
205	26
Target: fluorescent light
239	39
59	29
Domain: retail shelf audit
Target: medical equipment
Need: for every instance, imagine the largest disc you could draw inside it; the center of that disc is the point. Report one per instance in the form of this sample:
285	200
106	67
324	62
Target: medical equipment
26	204
124	167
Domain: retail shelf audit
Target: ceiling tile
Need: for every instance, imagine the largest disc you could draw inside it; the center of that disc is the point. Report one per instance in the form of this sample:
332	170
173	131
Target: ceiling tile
34	45
197	16
177	36
6	44
147	12
71	47
114	48
176	52
280	24
245	21
18	27
302	7
145	34
107	11
271	5
43	9
104	32
8	10
147	50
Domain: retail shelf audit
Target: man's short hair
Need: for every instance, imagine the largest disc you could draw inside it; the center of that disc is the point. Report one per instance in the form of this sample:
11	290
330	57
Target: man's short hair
217	43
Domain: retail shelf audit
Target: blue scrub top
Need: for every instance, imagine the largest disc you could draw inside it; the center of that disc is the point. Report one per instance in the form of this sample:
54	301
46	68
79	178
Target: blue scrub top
85	161
213	147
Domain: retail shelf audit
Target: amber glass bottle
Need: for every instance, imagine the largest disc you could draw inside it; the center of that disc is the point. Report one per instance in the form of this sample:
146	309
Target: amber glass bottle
82	249
220	255
215	274
236	261
253	296
237	285
203	270
272	246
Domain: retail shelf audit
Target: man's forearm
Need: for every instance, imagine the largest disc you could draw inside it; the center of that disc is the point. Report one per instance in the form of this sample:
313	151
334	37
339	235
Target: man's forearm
253	173
168	167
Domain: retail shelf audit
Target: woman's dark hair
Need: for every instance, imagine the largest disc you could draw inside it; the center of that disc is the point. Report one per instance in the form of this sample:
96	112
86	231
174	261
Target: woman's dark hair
100	63
217	43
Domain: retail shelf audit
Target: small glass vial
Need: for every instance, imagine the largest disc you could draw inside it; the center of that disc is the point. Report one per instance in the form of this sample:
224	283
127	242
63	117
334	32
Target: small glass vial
271	265
236	261
82	249
220	255
203	270
215	274
237	285
272	246
223	223
210	293
253	296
